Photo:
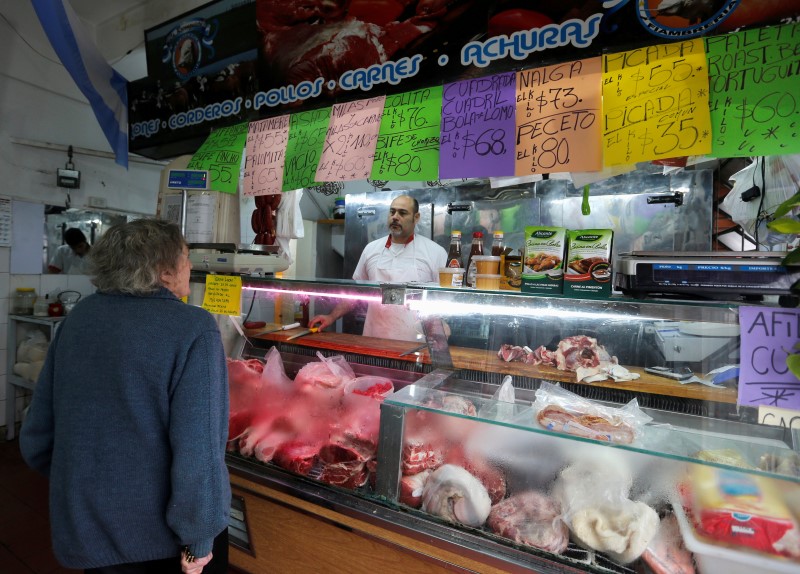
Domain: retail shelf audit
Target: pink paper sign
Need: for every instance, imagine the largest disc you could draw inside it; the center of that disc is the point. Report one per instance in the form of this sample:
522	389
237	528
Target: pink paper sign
265	154
349	148
769	336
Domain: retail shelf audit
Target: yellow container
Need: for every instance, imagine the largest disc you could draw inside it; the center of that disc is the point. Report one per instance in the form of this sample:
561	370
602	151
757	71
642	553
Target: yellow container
451	277
487	282
487	264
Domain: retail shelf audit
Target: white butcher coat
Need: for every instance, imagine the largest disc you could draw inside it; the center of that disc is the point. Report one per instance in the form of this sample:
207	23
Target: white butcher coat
386	262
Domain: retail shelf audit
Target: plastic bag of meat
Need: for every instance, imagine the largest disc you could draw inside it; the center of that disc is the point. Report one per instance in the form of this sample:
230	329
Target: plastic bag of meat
455	495
559	410
531	518
244	386
330	372
666	553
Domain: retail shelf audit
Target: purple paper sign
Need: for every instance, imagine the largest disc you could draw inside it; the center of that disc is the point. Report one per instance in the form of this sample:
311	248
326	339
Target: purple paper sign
478	127
769	335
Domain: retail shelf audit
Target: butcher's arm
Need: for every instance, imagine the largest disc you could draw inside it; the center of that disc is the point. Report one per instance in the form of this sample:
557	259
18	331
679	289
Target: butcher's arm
38	430
340	310
199	505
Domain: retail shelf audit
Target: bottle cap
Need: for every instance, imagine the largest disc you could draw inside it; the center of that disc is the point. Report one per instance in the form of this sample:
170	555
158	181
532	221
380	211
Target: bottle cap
477	234
455	233
498	233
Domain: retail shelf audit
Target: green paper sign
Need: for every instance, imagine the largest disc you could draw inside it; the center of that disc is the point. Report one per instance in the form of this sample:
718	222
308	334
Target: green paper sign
755	91
221	156
304	148
408	141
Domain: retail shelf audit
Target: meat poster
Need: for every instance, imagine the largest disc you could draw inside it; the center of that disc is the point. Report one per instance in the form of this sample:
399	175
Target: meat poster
769	338
304	147
655	103
265	154
755	91
349	148
478	127
408	141
558	118
221	156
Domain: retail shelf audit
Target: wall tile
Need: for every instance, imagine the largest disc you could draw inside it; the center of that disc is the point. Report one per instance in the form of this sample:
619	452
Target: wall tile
4	283
53	282
81	283
24	281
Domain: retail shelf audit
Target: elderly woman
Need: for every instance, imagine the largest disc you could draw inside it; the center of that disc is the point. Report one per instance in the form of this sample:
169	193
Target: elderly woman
129	419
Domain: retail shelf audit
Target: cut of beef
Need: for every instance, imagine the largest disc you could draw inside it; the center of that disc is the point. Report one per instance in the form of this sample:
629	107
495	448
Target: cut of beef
530	518
419	455
580	351
342	466
411	488
296	457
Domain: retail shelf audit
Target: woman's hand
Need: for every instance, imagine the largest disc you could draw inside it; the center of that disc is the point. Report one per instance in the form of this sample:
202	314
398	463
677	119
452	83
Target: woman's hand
195	566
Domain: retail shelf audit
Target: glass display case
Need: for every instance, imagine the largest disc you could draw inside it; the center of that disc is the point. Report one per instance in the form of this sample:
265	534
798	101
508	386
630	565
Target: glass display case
572	435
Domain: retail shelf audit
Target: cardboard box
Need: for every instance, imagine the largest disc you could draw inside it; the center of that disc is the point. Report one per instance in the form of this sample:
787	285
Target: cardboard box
588	267
543	264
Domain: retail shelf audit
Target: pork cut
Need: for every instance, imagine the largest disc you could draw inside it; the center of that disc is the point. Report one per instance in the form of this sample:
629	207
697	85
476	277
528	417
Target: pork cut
531	518
412	486
580	351
455	495
419	455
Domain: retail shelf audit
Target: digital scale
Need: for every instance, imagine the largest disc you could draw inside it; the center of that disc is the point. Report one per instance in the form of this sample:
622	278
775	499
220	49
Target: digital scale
239	259
714	274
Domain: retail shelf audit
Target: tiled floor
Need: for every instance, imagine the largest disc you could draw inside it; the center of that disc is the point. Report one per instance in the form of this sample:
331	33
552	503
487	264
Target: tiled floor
24	525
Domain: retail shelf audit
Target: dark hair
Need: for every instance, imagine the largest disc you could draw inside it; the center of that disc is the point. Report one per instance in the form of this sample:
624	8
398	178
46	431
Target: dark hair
74	236
130	257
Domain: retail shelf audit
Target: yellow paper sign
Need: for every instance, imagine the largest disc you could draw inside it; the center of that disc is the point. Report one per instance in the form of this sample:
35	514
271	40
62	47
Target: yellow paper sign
655	103
223	294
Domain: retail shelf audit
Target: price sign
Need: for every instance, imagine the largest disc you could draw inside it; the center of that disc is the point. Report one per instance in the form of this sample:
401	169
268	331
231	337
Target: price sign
350	141
655	103
408	141
304	148
265	153
223	294
558	118
477	129
221	156
755	91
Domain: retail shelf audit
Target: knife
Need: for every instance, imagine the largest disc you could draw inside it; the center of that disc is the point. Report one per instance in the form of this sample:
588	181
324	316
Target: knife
303	332
283	328
414	350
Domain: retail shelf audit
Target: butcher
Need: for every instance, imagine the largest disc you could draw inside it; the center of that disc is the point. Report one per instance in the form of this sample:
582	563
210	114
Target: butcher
400	257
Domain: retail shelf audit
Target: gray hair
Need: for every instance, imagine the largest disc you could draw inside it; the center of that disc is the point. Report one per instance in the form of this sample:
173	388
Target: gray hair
130	257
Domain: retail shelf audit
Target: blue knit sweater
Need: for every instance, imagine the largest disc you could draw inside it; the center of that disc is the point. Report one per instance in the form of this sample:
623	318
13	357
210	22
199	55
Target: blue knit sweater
129	421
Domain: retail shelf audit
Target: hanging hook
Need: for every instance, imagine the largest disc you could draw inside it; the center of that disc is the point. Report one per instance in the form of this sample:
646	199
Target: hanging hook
69	160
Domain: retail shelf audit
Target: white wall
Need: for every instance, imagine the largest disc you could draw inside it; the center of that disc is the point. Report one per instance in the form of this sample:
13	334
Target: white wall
39	102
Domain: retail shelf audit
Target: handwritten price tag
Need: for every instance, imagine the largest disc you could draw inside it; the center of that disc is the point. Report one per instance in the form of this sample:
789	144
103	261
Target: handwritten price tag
408	140
223	294
655	103
265	156
304	148
221	155
558	118
755	91
768	336
477	130
350	141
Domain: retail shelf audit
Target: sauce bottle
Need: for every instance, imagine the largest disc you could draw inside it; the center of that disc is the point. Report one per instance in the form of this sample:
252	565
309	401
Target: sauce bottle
477	249
454	255
497	243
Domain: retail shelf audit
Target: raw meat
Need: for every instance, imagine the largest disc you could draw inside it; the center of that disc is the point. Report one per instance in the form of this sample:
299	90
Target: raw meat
580	351
343	466
538	356
419	455
455	495
531	518
297	457
412	487
666	553
585	425
491	477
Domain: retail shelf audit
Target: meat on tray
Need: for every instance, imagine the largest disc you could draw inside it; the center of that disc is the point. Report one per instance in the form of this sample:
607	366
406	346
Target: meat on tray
455	495
666	553
579	354
531	518
585	425
297	457
412	486
419	455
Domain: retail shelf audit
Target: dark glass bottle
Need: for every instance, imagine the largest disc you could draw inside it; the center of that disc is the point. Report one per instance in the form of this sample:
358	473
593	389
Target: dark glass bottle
476	249
497	243
454	255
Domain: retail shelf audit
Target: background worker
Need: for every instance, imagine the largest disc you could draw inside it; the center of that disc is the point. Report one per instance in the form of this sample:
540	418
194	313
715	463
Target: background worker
401	257
71	258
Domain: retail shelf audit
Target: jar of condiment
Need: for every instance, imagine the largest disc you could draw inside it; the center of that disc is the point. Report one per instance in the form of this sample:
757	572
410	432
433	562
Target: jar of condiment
24	299
338	208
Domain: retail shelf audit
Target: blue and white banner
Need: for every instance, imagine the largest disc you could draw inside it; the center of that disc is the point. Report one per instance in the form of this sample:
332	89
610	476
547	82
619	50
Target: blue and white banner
100	83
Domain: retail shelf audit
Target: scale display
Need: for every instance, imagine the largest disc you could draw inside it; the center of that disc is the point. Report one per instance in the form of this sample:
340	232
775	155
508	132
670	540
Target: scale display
187	179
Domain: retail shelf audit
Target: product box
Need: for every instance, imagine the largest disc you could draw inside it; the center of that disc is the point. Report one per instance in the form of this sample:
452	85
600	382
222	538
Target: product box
588	268
543	264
